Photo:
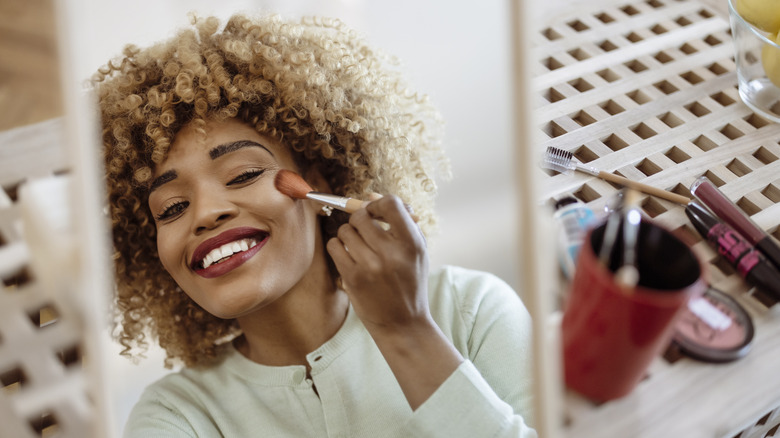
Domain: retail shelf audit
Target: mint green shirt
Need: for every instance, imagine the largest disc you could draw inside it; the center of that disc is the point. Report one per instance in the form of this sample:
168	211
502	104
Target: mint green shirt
489	395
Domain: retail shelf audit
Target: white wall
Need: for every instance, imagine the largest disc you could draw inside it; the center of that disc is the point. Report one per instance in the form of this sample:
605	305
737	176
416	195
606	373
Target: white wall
456	51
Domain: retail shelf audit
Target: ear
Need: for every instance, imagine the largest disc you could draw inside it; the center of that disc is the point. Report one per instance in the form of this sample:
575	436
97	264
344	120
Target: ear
314	177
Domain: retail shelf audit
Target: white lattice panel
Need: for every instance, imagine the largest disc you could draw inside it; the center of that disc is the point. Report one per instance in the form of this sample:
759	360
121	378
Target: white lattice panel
647	90
41	334
49	385
766	426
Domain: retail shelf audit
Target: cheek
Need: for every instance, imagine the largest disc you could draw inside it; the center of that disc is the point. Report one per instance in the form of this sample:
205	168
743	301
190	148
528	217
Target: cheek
302	224
165	251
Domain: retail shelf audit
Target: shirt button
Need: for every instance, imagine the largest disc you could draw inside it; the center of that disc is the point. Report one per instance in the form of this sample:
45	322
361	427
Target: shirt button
298	376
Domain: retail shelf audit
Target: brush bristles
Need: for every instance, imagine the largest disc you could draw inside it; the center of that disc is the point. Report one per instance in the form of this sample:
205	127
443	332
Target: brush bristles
558	160
291	184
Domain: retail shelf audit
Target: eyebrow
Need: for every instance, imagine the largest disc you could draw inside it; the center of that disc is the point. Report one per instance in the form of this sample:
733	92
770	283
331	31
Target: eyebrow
162	179
227	148
214	153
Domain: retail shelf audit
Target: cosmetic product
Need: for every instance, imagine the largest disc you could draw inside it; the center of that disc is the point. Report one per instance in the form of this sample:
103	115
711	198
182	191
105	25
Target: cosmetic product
563	161
294	186
573	219
748	261
725	209
714	327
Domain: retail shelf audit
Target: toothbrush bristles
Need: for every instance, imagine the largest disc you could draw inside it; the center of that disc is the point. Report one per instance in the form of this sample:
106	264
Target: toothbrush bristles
558	160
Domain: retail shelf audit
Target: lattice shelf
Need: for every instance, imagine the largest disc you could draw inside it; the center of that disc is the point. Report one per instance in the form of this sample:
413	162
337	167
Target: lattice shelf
648	90
44	387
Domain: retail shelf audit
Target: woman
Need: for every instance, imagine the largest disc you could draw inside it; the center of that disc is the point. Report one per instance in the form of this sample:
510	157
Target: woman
290	321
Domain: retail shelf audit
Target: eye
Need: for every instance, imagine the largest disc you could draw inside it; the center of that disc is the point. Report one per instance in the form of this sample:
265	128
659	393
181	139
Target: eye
246	176
172	210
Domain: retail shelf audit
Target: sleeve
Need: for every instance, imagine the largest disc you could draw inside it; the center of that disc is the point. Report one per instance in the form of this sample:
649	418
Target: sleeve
156	417
489	394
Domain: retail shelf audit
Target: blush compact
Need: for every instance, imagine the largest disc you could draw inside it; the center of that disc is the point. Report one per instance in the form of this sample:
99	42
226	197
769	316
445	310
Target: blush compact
714	327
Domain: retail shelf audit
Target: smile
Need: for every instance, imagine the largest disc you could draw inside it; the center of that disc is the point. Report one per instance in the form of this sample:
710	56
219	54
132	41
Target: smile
227	251
219	255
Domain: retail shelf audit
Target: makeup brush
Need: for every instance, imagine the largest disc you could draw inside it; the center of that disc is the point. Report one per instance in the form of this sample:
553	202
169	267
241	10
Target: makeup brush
563	161
623	222
294	186
627	275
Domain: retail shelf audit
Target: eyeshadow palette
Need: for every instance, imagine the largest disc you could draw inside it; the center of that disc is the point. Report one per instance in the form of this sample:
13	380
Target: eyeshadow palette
714	328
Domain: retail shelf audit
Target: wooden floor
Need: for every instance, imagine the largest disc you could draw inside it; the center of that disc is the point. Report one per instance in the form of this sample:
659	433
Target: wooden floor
29	70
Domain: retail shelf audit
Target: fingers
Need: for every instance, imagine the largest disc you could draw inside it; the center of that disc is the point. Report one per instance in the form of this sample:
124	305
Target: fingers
339	254
383	227
391	210
375	196
362	244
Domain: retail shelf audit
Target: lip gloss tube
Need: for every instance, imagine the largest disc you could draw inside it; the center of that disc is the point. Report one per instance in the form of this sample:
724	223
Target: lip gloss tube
725	209
749	262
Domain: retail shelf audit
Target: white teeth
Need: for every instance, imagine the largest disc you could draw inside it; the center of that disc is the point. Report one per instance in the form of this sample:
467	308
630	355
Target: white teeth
227	250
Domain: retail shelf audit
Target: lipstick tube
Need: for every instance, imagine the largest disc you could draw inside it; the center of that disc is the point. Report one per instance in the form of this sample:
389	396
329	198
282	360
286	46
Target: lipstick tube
748	261
725	209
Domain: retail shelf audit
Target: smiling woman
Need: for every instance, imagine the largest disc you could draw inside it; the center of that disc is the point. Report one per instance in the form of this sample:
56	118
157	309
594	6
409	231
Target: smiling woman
291	321
223	196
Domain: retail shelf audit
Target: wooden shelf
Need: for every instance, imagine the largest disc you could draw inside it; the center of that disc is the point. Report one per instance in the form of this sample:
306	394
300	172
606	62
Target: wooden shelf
648	90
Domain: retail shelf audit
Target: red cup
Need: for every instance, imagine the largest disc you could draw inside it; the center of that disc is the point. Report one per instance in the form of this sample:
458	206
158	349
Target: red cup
610	333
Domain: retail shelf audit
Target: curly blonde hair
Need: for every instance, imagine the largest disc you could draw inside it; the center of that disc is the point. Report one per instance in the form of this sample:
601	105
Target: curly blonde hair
314	85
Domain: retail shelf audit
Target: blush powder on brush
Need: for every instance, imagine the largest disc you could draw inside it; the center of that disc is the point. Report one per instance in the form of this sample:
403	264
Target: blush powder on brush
714	328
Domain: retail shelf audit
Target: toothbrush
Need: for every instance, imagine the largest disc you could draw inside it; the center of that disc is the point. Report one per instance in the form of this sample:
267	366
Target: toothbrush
563	161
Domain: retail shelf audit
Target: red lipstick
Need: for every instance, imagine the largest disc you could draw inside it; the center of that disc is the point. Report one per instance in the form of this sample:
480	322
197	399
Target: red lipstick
222	267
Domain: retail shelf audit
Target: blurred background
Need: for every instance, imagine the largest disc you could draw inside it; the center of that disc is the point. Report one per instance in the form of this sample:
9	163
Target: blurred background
457	52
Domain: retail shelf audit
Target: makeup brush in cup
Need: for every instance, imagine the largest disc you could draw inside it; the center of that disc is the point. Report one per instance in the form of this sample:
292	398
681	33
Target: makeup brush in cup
611	231
627	275
294	186
563	161
623	222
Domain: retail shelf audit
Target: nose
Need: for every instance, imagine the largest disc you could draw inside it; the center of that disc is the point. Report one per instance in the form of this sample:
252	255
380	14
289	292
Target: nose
211	210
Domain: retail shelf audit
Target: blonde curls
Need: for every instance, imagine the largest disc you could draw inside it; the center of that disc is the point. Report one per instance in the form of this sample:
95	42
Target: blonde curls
314	85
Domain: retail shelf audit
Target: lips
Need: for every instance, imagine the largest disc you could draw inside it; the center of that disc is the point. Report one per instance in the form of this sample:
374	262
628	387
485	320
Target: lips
227	251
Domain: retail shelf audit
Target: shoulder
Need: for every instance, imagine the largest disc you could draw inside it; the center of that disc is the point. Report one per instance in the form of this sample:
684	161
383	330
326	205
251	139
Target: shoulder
175	404
468	304
470	290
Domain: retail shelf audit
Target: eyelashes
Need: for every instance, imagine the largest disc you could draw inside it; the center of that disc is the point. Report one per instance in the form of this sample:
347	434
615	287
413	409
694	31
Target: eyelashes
246	176
176	208
172	210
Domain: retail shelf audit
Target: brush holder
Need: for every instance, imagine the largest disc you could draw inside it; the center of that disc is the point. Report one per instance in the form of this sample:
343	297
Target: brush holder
611	333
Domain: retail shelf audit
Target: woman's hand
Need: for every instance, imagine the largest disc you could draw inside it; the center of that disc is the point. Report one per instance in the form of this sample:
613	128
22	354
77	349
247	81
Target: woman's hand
381	256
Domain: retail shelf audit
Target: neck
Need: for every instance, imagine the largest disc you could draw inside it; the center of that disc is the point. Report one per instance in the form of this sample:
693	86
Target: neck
296	324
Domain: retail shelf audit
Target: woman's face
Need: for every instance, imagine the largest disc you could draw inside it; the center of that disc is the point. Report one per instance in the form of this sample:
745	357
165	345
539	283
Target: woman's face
229	239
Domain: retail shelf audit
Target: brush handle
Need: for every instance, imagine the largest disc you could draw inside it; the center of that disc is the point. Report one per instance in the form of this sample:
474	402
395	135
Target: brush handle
644	188
343	203
354	205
